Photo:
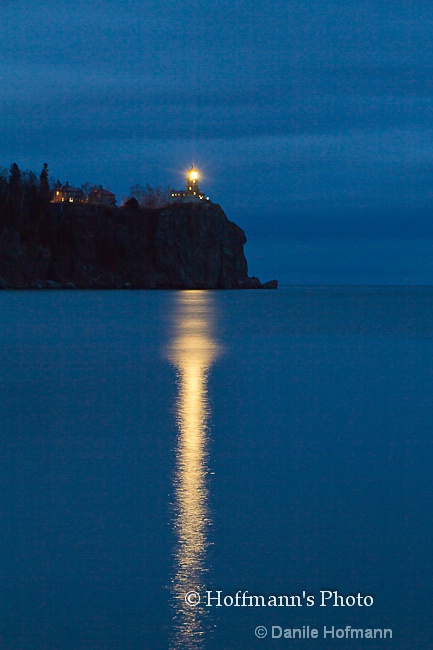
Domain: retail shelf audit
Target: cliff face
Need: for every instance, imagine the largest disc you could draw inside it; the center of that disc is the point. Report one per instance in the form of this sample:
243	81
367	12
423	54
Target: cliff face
197	246
185	246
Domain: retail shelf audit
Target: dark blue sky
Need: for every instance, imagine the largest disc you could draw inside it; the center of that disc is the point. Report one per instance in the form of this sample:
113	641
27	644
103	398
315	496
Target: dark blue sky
311	121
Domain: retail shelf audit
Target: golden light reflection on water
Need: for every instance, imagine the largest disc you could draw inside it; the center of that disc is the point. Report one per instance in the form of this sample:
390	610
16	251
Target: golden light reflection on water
192	350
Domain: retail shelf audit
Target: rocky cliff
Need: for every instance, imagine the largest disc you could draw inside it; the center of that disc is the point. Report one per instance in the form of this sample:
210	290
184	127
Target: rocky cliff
184	246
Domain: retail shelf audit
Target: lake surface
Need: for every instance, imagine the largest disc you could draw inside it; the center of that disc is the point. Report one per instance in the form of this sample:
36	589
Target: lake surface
271	442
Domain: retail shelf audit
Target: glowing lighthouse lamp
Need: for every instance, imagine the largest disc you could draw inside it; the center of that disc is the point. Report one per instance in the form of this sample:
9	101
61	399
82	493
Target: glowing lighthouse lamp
192	194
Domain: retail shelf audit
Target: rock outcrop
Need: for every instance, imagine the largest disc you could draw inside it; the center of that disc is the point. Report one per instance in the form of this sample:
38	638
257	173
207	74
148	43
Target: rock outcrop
182	246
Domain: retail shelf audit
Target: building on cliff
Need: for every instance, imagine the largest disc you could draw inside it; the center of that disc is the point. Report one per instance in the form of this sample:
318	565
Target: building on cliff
97	195
67	193
192	193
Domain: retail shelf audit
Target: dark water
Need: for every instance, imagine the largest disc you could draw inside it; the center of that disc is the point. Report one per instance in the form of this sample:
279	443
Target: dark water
274	442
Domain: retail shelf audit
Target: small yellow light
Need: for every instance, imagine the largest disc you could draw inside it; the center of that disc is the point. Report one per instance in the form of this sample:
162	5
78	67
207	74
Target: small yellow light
193	175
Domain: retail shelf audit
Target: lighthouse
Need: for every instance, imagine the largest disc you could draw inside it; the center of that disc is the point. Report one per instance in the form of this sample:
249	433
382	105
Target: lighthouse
192	182
192	193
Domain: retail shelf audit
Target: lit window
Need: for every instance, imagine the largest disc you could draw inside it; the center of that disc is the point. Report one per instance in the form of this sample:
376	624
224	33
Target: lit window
71	200
57	193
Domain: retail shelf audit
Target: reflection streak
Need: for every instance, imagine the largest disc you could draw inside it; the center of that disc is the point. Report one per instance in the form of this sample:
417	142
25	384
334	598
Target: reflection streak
192	351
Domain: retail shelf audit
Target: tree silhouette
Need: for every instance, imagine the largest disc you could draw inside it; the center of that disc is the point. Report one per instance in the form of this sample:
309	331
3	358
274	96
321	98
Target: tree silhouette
150	197
44	183
15	177
132	204
14	183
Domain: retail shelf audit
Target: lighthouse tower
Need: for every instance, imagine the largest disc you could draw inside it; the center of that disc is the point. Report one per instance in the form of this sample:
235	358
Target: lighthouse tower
192	192
192	183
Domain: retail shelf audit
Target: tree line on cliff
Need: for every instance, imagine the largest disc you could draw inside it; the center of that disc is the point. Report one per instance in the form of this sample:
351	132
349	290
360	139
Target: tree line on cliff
21	190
